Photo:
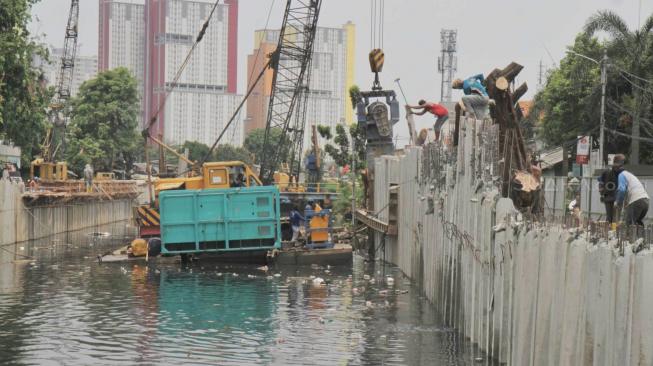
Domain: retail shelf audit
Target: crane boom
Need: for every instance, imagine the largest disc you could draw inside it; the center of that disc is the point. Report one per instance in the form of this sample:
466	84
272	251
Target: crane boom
63	86
290	63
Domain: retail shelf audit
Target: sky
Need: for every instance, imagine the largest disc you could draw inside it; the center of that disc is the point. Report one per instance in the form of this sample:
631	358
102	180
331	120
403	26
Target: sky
491	34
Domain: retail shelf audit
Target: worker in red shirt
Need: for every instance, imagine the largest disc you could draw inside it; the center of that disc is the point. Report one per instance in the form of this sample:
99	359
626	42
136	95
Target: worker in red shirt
437	110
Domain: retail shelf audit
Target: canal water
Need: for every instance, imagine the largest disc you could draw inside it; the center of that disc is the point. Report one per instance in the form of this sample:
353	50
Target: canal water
58	305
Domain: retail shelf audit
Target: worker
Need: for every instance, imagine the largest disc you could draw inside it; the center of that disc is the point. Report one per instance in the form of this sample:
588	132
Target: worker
438	110
574	210
475	102
295	223
309	206
631	193
608	183
88	177
239	181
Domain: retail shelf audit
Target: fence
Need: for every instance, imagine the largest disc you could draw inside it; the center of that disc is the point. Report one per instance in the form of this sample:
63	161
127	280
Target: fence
528	293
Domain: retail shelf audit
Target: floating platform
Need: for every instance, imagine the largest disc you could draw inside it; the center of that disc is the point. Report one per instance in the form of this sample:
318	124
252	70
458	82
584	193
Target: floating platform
341	254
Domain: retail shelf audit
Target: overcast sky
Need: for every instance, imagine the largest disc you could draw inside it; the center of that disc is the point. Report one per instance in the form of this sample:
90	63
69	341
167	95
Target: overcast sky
490	34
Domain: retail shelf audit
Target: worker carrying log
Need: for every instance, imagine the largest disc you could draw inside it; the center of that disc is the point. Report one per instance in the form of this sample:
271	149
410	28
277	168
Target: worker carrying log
438	110
475	102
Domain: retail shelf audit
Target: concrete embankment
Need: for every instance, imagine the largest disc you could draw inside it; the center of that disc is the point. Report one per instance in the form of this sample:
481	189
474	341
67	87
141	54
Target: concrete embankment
526	293
21	222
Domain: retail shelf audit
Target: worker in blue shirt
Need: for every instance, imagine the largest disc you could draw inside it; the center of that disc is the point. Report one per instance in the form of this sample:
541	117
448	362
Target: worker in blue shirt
295	222
475	103
631	194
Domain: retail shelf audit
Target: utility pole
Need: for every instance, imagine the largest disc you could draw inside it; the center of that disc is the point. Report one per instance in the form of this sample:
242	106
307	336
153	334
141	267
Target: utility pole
604	82
353	183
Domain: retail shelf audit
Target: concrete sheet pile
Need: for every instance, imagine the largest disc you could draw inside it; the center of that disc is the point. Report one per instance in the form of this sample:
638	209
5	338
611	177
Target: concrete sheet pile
526	293
20	223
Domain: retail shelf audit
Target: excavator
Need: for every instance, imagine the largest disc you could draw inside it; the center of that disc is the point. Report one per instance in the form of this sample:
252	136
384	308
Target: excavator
287	100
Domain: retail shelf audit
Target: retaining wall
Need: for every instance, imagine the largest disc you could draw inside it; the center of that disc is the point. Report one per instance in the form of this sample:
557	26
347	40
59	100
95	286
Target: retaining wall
19	223
526	293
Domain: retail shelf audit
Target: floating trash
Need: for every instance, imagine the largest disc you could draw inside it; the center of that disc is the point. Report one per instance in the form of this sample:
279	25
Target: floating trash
318	281
366	277
390	281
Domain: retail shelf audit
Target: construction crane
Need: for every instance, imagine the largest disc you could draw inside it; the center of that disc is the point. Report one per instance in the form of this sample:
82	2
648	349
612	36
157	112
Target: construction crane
54	141
290	62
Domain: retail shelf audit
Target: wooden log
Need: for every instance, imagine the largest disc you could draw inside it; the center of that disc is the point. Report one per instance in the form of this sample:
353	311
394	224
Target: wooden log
502	83
519	92
511	71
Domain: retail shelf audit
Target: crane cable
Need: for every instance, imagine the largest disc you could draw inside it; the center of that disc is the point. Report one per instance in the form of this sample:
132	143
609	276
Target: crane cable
181	69
377	23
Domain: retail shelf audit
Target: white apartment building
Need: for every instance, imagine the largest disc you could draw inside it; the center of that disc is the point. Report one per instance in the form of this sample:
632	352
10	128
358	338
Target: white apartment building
331	74
85	68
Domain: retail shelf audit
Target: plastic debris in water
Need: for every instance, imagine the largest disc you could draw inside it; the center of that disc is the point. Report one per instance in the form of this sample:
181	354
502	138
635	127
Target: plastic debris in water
277	275
235	274
220	274
318	281
372	281
390	281
366	277
264	268
368	303
251	276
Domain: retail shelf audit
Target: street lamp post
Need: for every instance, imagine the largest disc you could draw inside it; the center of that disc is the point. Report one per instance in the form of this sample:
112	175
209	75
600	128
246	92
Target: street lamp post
604	81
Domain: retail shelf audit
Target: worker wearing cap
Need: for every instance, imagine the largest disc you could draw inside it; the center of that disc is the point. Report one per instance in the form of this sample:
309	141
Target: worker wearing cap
631	195
438	110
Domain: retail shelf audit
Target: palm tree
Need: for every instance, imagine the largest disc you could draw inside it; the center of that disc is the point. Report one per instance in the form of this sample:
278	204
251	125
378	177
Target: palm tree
633	51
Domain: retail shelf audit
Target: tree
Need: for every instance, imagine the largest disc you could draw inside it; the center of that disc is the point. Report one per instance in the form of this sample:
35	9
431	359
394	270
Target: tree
256	139
567	105
23	96
341	151
226	152
104	121
632	51
196	150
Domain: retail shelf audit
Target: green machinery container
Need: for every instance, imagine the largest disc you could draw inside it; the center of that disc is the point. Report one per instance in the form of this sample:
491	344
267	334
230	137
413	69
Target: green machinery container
220	220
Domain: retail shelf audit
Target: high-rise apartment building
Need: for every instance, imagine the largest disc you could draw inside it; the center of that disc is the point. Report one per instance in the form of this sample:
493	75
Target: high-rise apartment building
85	68
331	76
122	39
205	95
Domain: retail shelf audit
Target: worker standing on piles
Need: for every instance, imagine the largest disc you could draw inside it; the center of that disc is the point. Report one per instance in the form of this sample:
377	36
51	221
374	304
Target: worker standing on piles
631	192
475	102
438	110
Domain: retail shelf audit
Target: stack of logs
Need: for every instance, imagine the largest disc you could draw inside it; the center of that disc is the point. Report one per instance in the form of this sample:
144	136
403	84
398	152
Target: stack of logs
519	178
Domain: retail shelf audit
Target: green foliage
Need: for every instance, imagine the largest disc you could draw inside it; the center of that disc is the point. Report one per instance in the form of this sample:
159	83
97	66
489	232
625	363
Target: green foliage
324	131
196	150
569	104
354	95
255	140
226	152
340	150
568	101
342	205
23	97
104	121
631	51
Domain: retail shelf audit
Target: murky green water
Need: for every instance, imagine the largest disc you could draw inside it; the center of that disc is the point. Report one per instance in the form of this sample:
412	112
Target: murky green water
63	307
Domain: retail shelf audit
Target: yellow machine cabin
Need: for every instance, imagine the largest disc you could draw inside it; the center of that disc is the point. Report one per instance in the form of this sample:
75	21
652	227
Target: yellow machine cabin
48	171
223	174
